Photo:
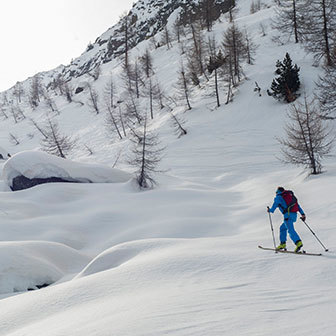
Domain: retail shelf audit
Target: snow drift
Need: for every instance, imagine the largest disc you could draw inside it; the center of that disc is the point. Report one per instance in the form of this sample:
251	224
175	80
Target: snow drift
29	265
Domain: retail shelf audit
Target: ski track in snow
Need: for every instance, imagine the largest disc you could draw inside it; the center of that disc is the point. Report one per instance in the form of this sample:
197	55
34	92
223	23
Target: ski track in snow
181	259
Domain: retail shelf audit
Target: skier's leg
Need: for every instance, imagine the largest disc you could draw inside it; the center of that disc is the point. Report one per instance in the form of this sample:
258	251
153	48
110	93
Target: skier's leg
283	233
291	231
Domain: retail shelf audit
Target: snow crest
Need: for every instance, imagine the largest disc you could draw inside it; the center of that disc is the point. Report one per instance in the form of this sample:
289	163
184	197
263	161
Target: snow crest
26	265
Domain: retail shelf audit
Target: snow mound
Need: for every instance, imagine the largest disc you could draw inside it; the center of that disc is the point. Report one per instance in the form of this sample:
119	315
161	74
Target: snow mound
40	165
28	265
122	253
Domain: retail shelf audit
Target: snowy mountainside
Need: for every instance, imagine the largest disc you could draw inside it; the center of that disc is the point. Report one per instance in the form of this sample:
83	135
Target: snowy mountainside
144	20
181	259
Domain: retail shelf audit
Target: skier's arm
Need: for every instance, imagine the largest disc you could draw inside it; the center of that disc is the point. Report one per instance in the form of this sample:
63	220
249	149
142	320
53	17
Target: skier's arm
302	213
275	205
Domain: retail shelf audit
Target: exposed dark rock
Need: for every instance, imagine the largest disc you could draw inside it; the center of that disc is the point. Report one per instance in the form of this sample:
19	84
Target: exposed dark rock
79	90
39	286
22	182
4	158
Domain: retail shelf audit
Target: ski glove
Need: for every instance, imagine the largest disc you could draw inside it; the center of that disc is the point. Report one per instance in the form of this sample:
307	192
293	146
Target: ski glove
303	217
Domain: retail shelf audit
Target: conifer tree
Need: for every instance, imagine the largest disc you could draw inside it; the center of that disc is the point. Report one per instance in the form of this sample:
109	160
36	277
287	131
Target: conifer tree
326	91
146	62
235	48
36	91
18	91
147	154
320	28
93	101
209	12
309	138
111	117
289	20
250	48
214	64
184	86
178	125
196	55
287	83
55	143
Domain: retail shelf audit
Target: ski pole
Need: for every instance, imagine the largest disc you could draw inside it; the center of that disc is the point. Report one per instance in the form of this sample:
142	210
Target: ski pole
270	219
314	234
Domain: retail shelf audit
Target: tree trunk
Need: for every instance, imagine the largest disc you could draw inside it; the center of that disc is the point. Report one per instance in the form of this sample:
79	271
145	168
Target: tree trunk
326	34
295	22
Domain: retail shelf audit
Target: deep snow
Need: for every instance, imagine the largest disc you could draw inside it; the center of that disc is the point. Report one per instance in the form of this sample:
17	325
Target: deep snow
36	164
181	259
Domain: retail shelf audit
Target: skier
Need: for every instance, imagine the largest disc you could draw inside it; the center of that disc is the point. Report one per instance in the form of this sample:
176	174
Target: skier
288	205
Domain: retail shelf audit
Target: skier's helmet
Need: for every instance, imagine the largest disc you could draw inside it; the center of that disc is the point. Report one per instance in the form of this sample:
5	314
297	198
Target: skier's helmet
280	190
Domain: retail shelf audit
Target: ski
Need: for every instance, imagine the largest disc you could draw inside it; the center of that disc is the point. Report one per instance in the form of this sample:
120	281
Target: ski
282	251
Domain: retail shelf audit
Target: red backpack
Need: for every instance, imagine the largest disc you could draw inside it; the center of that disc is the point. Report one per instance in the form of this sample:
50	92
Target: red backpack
291	201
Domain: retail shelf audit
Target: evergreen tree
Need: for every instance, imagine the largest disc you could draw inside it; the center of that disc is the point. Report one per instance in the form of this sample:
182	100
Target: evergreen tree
287	83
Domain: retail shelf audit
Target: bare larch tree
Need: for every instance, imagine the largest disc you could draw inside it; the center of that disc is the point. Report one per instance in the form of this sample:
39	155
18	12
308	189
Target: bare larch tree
36	91
111	114
55	143
309	139
320	28
93	101
183	86
326	91
289	20
147	155
235	49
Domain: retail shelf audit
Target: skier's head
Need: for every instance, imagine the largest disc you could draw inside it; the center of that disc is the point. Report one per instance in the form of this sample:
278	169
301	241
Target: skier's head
280	190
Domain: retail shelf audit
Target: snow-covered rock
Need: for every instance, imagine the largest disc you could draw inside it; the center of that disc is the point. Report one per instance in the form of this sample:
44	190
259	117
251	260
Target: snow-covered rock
29	265
30	168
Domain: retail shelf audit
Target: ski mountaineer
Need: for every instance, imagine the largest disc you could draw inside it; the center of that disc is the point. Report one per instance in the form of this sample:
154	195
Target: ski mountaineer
288	205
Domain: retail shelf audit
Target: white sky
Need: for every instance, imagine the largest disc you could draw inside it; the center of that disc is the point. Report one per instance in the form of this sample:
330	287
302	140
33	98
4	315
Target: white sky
39	35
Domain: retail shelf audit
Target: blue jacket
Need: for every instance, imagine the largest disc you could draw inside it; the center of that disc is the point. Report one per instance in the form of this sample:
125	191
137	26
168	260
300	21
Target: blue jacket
279	202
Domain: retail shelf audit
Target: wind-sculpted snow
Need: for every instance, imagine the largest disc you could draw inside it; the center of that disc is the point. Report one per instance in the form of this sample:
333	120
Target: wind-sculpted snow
123	253
28	265
40	165
180	259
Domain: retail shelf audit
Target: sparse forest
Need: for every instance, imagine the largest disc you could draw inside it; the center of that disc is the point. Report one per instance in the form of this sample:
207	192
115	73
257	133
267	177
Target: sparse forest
137	180
206	61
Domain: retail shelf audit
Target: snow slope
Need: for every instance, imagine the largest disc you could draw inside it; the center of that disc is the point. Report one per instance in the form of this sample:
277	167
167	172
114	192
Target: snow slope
181	259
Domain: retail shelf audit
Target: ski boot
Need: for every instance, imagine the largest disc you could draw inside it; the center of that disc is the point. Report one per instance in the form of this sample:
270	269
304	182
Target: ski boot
282	247
298	246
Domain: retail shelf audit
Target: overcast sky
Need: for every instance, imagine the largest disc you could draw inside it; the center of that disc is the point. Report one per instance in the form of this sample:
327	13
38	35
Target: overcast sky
39	35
